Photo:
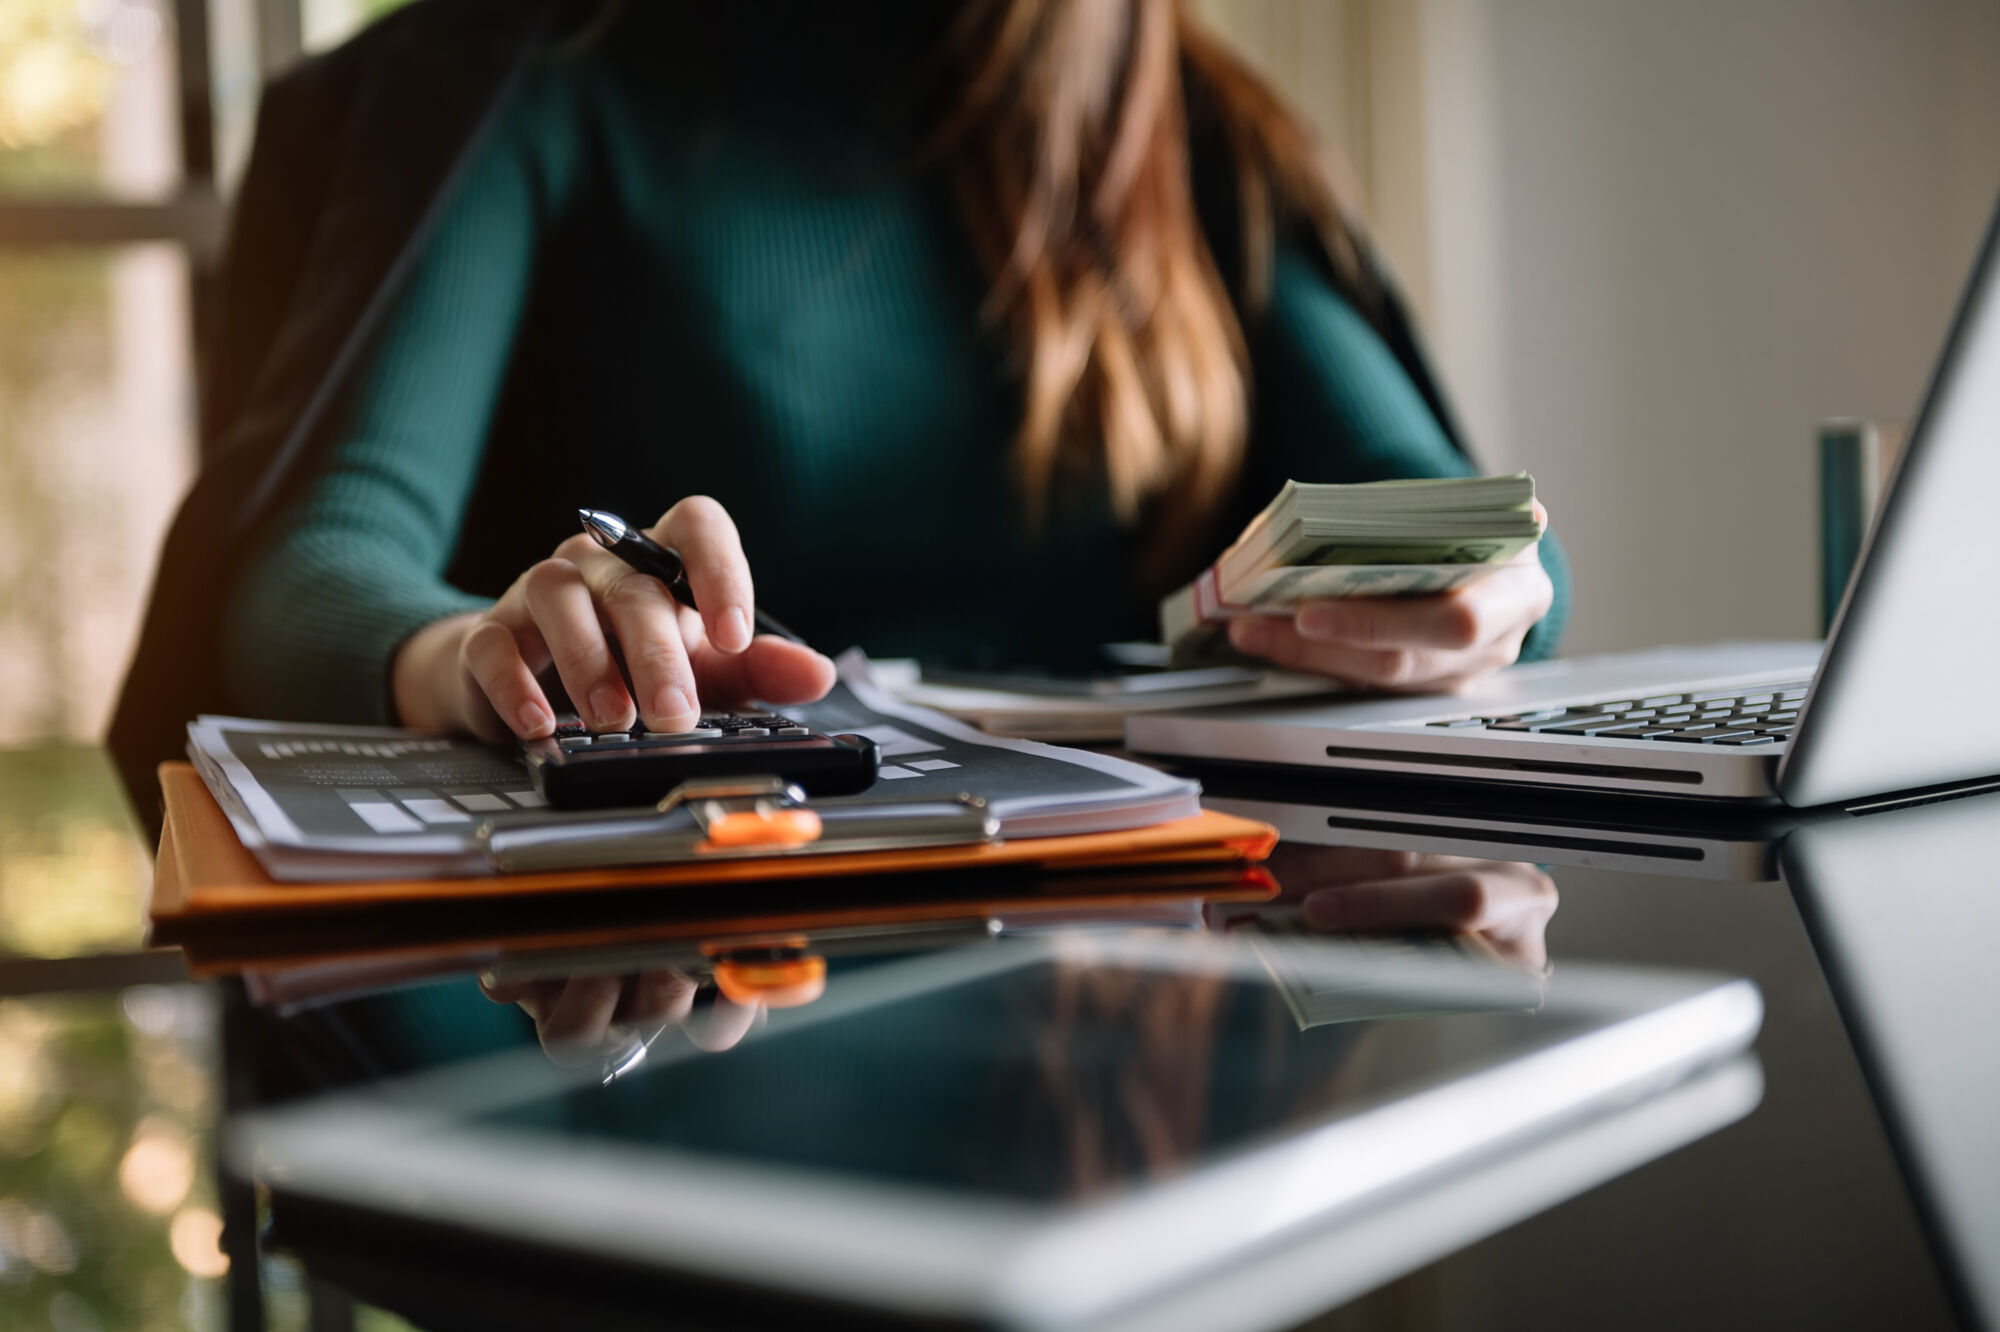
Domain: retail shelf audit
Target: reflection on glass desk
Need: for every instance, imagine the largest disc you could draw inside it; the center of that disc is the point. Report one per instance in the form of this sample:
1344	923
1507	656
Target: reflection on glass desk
1701	840
1044	1131
1805	1211
73	877
1905	910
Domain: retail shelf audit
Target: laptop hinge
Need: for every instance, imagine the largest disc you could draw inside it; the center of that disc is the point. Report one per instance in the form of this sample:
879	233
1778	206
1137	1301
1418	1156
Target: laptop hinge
1926	796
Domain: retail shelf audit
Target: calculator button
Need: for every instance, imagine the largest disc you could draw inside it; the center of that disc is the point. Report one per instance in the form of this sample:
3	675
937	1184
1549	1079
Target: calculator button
792	730
574	741
696	733
753	730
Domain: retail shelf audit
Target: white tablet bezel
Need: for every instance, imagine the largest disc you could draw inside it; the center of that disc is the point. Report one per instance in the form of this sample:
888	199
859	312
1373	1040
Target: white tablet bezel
922	1252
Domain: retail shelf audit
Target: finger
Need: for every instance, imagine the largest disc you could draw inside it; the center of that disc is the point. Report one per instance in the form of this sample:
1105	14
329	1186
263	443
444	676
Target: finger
1464	617
1279	643
771	670
722	1026
658	996
564	612
512	612
582	1015
536	997
1466	899
646	621
503	992
718	573
1302	868
491	657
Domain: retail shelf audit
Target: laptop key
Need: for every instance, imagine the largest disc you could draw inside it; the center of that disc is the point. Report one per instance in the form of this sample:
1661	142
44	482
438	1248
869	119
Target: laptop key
1459	723
1704	735
1748	740
1662	701
1586	728
1637	731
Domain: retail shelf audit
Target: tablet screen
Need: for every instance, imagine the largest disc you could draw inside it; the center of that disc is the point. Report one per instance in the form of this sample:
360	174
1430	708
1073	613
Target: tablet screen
1065	1075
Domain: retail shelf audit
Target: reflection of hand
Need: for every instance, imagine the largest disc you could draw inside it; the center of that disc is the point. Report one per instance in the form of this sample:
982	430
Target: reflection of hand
1355	890
476	672
579	1017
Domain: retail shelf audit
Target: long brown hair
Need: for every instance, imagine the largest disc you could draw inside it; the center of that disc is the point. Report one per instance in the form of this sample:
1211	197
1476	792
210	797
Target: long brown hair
1069	146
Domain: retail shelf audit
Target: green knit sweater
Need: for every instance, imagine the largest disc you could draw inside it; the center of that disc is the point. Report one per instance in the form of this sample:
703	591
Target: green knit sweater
708	240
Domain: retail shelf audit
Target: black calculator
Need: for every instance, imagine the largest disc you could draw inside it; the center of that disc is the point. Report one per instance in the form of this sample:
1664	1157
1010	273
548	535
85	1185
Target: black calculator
578	768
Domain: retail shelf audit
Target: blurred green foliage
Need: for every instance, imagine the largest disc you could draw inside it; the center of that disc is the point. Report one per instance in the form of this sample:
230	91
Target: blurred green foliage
73	872
105	1102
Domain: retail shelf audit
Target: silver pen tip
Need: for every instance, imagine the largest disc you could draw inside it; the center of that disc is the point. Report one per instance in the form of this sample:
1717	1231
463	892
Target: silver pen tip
608	529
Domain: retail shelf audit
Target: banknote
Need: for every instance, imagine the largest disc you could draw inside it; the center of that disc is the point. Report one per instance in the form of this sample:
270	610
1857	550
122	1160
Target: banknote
1384	539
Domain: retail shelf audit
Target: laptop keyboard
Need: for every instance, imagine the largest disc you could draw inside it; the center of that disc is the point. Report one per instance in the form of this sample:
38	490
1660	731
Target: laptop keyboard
1759	715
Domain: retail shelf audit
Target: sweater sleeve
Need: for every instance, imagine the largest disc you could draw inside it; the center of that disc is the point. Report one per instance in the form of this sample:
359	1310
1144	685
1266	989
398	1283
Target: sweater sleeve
1334	404
356	564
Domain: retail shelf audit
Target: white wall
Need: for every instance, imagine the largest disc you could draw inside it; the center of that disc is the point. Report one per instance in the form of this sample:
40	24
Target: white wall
1723	222
1658	242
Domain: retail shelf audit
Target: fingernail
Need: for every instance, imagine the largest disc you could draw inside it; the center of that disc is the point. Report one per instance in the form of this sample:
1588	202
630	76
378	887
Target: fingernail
532	720
1250	634
736	630
676	706
1324	623
606	708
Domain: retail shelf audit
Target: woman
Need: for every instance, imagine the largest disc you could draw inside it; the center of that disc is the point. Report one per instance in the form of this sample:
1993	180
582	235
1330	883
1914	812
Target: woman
981	328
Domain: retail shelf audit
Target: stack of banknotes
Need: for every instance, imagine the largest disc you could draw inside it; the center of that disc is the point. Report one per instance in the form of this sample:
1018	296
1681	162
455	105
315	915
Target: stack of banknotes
1380	539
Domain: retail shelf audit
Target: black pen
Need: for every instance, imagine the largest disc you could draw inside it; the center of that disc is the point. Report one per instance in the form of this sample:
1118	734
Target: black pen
648	556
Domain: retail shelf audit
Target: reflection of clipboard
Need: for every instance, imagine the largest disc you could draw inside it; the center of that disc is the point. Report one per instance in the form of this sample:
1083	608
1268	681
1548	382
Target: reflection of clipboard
207	879
340	953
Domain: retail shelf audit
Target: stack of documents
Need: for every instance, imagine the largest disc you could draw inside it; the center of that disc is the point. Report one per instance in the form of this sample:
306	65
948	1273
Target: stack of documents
1380	539
325	803
1081	719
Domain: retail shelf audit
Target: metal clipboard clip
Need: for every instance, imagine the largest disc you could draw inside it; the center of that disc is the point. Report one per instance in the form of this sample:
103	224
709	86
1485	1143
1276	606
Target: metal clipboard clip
730	818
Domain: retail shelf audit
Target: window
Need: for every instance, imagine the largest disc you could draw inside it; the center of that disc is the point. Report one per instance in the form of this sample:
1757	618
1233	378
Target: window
122	125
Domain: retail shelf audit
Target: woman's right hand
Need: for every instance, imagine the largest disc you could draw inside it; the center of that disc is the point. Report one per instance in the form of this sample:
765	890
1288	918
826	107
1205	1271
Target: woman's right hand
476	672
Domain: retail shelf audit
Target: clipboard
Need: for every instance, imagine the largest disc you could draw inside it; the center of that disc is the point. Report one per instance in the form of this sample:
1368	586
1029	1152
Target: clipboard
730	819
206	878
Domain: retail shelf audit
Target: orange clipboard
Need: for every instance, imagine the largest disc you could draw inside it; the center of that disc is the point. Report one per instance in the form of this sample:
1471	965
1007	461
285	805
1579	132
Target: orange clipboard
206	875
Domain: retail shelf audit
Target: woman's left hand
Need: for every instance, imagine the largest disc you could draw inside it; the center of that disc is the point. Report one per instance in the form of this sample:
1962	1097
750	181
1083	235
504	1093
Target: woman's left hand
1405	643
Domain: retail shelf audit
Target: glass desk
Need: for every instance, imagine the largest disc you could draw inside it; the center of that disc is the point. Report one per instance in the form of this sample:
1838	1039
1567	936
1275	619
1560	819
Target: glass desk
1796	1214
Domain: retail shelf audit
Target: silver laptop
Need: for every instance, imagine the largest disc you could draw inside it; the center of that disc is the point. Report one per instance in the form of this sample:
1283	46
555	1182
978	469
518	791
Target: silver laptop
1901	698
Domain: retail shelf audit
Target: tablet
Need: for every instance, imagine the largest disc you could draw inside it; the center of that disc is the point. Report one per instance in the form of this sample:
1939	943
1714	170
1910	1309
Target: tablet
1041	1131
